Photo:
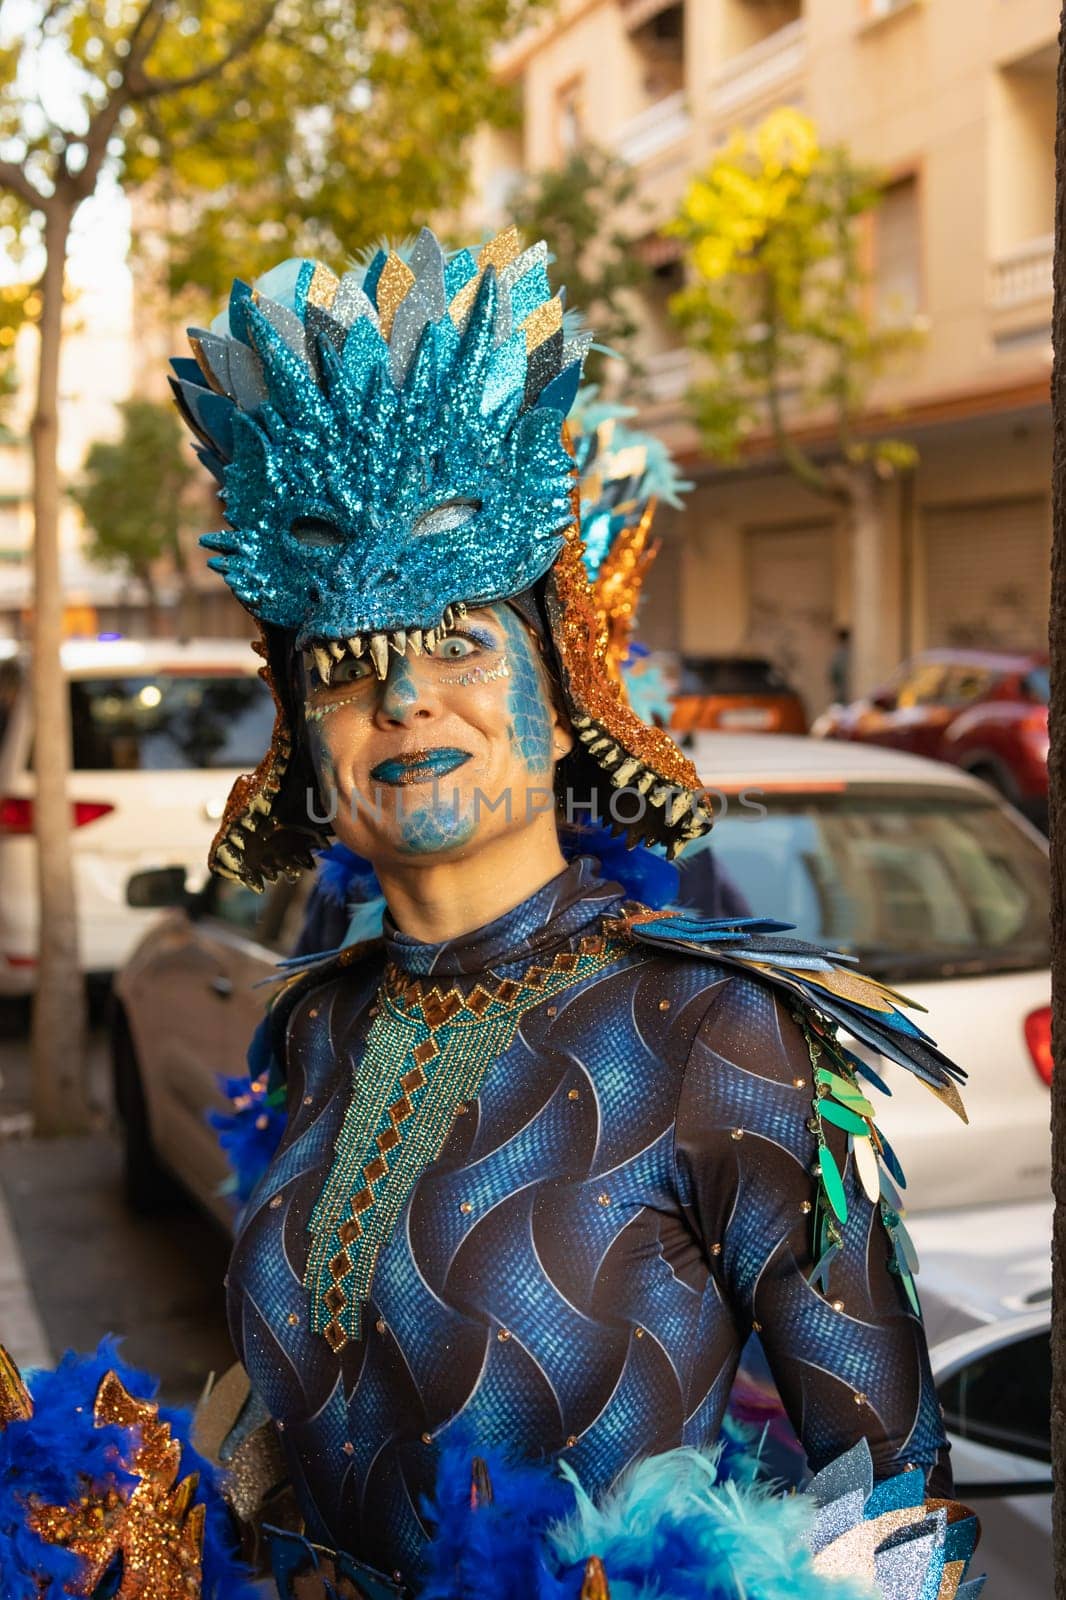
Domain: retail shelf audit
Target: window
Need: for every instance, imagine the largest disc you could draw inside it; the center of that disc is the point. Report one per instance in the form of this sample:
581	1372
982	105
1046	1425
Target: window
163	722
272	919
914	884
897	254
660	44
963	684
1003	1398
921	685
569	116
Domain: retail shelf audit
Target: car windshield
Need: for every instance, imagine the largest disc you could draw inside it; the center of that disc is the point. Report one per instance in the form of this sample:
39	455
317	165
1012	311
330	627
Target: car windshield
1038	685
915	884
166	721
730	675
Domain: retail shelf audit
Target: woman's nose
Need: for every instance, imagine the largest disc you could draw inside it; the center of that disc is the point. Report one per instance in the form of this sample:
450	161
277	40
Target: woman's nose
403	696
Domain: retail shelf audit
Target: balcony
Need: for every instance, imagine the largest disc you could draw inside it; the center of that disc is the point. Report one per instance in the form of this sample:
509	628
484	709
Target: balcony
1022	276
663	124
761	72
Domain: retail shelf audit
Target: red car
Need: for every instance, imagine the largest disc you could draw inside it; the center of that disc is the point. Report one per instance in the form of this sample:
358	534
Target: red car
983	710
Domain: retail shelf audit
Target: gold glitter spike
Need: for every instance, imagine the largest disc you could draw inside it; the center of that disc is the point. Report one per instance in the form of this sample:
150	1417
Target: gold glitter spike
155	1527
542	322
594	1585
462	301
500	251
949	1096
322	290
394	285
619	582
15	1402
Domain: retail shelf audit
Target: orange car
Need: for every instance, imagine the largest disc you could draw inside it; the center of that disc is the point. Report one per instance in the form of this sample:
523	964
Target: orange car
735	694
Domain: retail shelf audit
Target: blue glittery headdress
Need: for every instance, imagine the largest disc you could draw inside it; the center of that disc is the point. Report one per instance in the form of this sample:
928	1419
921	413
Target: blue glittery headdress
391	451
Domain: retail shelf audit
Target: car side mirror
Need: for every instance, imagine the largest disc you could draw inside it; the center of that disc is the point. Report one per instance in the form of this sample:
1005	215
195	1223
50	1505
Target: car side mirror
158	889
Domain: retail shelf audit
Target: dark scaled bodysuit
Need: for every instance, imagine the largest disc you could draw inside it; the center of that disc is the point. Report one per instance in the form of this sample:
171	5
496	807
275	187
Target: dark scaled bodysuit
623	1191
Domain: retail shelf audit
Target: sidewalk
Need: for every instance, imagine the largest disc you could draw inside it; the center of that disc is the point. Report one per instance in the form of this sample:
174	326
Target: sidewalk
21	1330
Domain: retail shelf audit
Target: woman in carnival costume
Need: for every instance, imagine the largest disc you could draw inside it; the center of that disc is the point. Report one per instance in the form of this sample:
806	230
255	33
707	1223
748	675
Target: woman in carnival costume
549	1155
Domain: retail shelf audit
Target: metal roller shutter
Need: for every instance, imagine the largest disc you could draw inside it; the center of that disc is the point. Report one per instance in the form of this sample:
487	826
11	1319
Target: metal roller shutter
986	571
790	605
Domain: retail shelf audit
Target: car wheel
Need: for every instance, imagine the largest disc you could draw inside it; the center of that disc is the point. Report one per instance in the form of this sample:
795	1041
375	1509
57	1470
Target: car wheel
146	1184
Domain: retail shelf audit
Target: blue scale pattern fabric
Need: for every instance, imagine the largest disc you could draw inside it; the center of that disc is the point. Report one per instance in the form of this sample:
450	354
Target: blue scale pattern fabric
620	1244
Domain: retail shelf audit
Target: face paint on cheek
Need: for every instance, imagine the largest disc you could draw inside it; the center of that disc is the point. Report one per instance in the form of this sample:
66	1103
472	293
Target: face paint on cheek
432	828
527	703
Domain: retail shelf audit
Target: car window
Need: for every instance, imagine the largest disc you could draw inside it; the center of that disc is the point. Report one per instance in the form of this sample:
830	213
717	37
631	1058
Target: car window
10	681
1003	1398
272	918
730	675
1037	685
920	685
910	882
169	722
963	684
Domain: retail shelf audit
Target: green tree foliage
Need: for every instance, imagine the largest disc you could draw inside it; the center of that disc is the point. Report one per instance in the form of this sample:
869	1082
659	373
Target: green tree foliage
133	492
778	302
260	128
578	207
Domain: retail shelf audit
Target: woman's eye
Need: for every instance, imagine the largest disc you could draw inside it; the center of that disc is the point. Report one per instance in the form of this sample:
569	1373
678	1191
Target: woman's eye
351	670
454	648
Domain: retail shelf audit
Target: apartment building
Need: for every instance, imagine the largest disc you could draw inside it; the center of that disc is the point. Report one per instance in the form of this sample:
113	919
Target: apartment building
954	101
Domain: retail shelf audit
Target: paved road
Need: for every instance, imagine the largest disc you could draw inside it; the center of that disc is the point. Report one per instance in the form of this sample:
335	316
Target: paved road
91	1267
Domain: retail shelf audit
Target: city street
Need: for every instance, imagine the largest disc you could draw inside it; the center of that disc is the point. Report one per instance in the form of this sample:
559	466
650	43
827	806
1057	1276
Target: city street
82	1265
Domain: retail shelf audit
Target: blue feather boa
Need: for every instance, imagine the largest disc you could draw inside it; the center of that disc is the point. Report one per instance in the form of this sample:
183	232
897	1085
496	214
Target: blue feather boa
58	1455
685	1525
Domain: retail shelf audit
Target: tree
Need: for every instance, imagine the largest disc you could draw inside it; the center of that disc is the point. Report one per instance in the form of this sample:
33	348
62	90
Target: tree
133	493
577	206
266	117
779	307
1057	816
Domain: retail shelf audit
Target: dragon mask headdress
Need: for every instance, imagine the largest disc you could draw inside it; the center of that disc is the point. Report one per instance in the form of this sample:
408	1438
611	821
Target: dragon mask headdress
392	451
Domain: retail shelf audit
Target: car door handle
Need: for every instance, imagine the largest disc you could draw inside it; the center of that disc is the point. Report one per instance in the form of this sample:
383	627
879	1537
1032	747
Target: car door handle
222	986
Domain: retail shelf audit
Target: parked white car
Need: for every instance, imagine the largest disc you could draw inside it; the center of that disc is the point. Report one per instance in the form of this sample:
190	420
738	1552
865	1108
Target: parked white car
940	889
159	732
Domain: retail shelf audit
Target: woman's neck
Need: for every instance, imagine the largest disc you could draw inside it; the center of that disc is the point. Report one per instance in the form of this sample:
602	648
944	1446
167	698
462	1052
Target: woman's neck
435	901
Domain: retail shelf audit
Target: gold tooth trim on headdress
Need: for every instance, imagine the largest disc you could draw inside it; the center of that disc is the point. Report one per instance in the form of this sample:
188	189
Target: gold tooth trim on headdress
542	323
617	585
601	711
394	285
249	808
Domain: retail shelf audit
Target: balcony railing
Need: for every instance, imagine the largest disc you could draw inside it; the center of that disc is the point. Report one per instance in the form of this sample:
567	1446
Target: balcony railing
758	72
663	124
1022	275
667	375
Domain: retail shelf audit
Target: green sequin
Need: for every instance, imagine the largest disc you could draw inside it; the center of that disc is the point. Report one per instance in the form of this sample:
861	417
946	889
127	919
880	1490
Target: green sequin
426	1054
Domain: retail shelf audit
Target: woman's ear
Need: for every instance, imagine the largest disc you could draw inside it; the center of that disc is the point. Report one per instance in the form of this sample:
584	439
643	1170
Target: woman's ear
562	735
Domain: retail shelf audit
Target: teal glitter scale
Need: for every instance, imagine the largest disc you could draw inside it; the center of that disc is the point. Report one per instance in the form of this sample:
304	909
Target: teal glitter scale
426	1056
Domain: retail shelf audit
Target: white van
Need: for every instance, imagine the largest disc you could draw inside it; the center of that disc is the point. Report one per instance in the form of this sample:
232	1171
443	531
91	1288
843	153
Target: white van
159	732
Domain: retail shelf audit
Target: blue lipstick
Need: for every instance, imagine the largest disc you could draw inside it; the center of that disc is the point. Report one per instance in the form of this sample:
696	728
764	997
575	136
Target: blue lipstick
420	766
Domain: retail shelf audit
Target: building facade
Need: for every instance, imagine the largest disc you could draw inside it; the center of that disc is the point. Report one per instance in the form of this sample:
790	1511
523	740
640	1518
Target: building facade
954	101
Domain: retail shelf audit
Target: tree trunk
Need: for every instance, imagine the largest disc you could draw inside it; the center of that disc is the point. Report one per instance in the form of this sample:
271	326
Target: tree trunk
874	562
58	1043
1057	812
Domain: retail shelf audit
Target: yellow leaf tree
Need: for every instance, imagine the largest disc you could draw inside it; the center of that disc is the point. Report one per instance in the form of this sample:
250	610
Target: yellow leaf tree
779	307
